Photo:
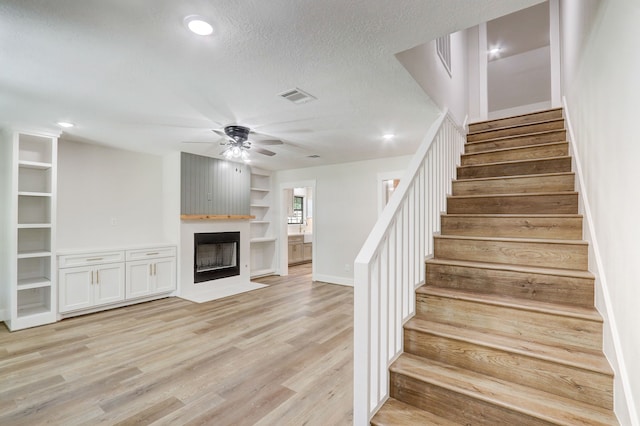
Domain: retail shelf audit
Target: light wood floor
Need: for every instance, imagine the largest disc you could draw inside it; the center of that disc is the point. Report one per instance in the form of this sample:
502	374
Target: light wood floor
281	355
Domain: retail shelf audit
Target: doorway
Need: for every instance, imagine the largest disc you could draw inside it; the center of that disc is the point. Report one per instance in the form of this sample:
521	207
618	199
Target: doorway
298	230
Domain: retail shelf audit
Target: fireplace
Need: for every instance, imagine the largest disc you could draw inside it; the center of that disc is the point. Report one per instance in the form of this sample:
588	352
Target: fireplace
216	255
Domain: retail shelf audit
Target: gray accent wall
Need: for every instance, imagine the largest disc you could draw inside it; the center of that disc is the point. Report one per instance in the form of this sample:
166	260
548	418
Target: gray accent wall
212	186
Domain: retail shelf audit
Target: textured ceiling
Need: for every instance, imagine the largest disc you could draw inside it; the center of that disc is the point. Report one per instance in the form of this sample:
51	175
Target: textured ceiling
130	75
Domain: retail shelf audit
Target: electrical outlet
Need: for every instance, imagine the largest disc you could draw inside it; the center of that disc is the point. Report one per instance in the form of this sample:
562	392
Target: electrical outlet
114	221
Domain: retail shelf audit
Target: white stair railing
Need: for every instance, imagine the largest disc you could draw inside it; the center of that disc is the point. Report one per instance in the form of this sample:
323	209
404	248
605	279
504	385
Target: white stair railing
390	265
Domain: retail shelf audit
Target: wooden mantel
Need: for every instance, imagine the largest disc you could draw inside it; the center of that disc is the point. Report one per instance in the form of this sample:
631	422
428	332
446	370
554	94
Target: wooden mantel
216	217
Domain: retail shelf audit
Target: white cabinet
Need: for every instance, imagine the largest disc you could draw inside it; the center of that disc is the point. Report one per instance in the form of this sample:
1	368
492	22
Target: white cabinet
85	287
263	241
94	281
98	281
150	271
27	217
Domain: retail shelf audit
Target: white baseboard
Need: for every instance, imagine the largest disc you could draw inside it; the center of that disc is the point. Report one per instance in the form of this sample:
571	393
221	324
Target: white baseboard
624	405
2	315
331	279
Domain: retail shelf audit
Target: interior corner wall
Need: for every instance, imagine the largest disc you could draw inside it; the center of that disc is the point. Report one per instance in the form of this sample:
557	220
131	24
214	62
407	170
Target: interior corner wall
346	209
108	197
601	66
425	66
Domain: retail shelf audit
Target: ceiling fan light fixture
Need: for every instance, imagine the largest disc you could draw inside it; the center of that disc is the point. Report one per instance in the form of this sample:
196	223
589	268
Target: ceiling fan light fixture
198	25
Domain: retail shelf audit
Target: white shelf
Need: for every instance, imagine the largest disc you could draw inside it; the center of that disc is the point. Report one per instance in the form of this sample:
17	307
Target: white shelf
262	272
28	283
34	194
33	182
262	240
260	206
29	310
34	225
261	189
260	222
34	165
29	254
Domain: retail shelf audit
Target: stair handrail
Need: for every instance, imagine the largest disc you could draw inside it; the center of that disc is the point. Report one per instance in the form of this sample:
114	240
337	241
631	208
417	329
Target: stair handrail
391	263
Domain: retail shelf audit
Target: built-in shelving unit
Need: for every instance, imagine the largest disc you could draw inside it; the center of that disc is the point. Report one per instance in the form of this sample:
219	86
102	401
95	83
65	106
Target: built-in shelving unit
263	240
30	298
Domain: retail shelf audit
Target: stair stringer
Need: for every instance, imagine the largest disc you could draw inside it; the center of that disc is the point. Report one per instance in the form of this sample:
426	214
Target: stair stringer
624	405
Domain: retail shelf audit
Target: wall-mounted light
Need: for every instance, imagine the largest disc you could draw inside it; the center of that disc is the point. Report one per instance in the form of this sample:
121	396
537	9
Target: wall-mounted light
494	52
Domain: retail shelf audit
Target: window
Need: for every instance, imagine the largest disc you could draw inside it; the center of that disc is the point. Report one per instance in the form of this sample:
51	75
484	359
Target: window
296	218
443	47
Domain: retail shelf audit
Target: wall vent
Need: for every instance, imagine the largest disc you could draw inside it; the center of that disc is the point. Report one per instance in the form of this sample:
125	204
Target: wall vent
313	156
443	47
297	96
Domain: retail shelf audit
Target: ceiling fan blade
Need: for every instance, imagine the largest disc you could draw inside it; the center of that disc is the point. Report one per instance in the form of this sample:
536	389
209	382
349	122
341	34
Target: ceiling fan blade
220	132
269	142
196	142
263	151
224	151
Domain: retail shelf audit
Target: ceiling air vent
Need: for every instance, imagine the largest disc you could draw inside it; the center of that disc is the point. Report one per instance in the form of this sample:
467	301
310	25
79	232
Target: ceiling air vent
297	96
313	156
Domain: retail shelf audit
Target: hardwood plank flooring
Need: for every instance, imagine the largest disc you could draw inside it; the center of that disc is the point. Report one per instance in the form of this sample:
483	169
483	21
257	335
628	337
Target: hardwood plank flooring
280	355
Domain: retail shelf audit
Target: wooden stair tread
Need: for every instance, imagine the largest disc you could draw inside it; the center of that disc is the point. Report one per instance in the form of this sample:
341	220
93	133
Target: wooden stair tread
510	215
516	126
398	413
575	273
494	178
532	402
584	359
501	138
588	314
515	148
501	163
527	194
515	117
514	240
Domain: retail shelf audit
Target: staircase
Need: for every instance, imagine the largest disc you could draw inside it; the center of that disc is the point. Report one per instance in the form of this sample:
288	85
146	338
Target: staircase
505	331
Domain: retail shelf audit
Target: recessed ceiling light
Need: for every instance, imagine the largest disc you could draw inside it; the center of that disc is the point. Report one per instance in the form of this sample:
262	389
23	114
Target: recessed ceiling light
495	51
65	124
388	136
198	25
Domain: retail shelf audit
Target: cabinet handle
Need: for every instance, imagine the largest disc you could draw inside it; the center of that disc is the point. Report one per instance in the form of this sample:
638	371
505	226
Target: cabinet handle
150	269
155	269
153	254
97	277
94	259
91	277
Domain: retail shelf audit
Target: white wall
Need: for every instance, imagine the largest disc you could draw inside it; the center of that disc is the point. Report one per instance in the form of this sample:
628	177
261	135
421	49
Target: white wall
425	66
601	64
108	197
345	205
519	80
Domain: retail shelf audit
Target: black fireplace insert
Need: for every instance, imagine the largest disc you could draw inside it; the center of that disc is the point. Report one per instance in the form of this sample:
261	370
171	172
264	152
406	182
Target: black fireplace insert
216	255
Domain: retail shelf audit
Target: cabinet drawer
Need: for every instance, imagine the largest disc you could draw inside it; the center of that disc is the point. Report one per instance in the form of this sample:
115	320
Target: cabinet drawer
94	258
151	253
296	239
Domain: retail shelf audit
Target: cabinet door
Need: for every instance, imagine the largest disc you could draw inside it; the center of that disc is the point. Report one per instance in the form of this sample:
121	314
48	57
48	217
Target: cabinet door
307	251
110	284
290	253
164	274
297	253
139	278
75	288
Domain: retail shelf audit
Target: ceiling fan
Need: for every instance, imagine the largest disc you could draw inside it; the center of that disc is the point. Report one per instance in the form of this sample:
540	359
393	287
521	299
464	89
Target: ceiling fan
236	142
